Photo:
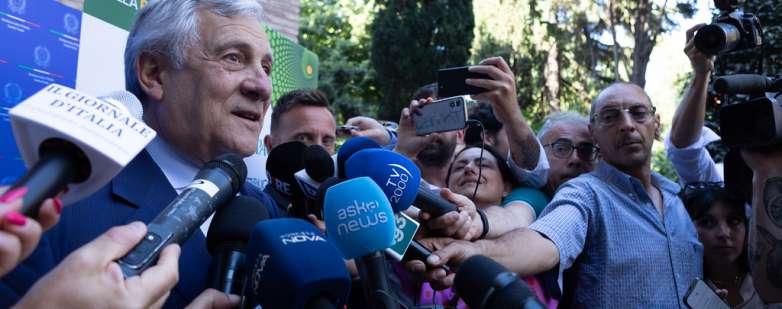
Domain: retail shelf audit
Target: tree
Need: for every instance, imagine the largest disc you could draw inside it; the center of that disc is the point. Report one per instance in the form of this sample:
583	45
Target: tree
335	31
411	40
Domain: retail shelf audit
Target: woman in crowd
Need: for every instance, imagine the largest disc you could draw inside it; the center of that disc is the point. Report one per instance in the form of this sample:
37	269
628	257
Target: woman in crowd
721	221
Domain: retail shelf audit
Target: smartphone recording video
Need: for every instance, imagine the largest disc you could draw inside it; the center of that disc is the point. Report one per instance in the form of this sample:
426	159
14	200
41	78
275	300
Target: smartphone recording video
444	115
451	82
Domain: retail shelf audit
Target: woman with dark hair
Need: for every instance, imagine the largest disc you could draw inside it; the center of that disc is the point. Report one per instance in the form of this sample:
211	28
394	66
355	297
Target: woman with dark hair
720	218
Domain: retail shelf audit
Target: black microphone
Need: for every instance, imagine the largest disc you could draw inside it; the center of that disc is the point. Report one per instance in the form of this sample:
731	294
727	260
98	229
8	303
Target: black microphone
318	163
485	284
216	183
228	235
283	162
746	84
431	202
417	251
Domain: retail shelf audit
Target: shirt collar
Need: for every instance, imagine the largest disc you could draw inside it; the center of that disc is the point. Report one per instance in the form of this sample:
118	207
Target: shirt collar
629	183
177	169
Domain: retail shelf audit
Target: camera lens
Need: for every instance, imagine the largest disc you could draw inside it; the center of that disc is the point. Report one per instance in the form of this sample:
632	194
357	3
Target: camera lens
717	38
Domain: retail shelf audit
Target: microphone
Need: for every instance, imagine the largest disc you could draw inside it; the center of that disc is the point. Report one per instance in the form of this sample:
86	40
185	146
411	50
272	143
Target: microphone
746	84
72	140
292	265
399	178
217	182
318	165
228	235
360	221
285	160
349	148
485	284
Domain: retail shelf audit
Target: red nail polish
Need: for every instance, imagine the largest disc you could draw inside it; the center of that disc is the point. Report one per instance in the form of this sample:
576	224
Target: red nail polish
13	195
15	218
58	205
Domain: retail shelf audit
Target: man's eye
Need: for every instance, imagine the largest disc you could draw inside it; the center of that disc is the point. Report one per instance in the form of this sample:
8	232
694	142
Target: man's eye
267	68
233	58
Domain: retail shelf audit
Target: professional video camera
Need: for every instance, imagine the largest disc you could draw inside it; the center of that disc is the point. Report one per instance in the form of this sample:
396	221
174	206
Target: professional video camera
733	30
756	123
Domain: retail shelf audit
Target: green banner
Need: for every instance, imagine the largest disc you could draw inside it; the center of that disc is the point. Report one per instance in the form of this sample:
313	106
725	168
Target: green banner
116	12
294	67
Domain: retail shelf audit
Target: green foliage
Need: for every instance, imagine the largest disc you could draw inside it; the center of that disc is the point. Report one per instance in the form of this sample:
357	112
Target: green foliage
411	40
335	31
661	164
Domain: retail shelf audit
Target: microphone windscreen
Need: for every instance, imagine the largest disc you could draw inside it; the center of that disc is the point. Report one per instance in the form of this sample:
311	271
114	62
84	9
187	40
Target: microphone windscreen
396	175
290	262
318	163
350	147
128	100
283	162
741	83
358	217
231	164
484	283
234	222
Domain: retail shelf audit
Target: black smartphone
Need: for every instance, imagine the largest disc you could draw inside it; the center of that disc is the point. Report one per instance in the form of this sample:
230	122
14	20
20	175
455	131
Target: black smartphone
444	115
451	82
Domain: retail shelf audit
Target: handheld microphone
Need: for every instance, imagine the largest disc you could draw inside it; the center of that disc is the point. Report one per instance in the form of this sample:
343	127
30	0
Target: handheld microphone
747	84
399	178
217	182
292	265
285	160
360	221
318	165
72	140
349	148
485	284
228	235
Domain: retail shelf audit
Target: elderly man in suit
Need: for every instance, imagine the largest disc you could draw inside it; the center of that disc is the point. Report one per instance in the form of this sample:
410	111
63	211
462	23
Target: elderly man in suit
201	69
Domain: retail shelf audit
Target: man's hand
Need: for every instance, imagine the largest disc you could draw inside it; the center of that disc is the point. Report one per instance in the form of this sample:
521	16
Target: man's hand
501	89
464	224
19	235
408	143
214	299
702	64
445	251
763	163
370	128
89	277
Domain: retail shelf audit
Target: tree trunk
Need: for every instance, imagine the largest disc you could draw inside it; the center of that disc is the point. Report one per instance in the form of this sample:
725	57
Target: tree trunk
612	24
645	32
552	77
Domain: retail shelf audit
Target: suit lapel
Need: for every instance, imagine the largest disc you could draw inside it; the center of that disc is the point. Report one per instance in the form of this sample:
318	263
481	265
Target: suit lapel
143	185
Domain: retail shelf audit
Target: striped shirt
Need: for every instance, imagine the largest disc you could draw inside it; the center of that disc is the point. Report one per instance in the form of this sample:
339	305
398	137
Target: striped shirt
615	248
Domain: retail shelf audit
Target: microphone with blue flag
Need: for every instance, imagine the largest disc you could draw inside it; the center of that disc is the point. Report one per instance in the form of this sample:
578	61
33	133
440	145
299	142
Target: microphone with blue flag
292	265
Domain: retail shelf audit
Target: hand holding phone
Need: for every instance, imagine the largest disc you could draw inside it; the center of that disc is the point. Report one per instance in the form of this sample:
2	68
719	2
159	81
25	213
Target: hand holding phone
451	82
344	130
444	115
701	296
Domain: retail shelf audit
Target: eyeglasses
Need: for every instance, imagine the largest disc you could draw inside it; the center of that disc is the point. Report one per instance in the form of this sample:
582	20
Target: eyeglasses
563	148
692	189
639	113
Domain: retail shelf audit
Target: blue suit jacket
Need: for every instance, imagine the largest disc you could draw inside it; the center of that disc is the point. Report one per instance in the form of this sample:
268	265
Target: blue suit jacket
138	193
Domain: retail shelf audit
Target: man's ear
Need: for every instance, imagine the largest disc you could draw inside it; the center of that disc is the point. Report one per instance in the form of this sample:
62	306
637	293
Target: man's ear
267	141
149	71
657	127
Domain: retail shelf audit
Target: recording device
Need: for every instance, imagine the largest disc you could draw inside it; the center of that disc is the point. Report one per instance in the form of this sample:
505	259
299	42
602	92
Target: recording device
344	130
318	166
443	115
216	183
485	284
733	30
72	140
417	251
360	222
399	178
754	124
292	265
452	82
701	295
350	147
228	235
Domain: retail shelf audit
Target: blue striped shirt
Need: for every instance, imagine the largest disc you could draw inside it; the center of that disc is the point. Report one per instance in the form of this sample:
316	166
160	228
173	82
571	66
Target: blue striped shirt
615	249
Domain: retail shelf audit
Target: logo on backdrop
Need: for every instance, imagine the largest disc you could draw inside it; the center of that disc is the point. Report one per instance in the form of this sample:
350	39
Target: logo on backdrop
17	6
42	56
70	23
12	93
